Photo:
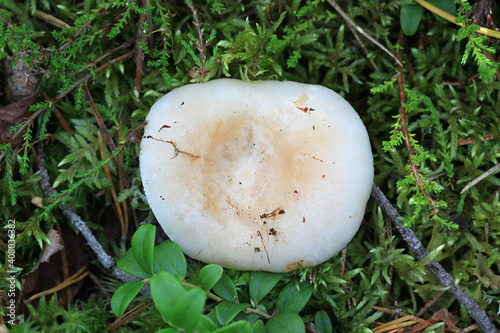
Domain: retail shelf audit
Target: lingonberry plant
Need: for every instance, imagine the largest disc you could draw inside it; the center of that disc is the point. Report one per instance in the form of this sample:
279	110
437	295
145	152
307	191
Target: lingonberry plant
78	79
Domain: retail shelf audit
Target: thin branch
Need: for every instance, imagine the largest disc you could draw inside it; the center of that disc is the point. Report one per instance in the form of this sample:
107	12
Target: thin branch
105	132
139	53
84	26
363	32
104	56
404	128
51	19
434	267
200	45
478	179
88	76
105	259
453	19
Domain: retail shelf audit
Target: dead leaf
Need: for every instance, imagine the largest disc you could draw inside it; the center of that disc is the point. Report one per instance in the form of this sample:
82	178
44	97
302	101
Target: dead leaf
21	81
446	317
54	247
13	114
49	272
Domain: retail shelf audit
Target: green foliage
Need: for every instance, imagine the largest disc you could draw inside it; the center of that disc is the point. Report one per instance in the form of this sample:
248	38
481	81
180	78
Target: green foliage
304	41
475	44
82	317
253	50
412	190
411	16
179	302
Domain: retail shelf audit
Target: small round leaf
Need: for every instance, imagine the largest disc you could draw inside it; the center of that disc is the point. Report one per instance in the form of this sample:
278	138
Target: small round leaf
210	275
286	322
410	17
124	295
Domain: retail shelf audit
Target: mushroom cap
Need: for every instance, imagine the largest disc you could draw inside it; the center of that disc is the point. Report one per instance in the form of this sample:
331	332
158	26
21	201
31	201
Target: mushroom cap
257	176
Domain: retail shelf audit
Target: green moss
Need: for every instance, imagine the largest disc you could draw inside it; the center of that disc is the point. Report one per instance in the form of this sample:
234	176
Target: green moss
305	41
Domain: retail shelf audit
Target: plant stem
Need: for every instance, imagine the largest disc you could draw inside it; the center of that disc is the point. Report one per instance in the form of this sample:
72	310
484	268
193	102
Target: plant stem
434	267
452	19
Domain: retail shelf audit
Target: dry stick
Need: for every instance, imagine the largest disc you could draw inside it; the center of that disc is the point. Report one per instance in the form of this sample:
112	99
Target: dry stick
79	275
139	53
363	47
88	76
434	267
104	56
118	208
127	315
64	260
105	133
427	305
364	33
121	181
483	176
51	19
106	260
469	141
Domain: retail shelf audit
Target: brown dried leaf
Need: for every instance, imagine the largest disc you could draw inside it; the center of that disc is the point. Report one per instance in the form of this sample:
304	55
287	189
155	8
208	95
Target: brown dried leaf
13	114
21	81
48	274
446	317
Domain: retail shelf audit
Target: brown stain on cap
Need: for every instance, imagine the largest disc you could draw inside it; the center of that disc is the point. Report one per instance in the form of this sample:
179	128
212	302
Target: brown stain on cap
295	265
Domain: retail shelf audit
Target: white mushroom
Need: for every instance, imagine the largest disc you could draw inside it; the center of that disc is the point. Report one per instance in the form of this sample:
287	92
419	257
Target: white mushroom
257	176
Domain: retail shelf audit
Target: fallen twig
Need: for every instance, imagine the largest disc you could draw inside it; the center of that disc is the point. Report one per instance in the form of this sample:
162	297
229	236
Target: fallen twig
363	32
483	176
434	267
105	259
81	274
139	52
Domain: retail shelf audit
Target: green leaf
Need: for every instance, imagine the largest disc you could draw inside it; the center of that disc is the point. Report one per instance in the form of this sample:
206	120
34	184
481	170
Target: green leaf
166	290
167	330
124	295
188	309
410	17
143	243
259	327
261	284
225	288
322	322
210	275
293	298
286	322
168	257
241	326
446	5
129	265
205	324
226	311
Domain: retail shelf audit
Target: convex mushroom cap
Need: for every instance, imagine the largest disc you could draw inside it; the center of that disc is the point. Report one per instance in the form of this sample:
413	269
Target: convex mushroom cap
257	176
